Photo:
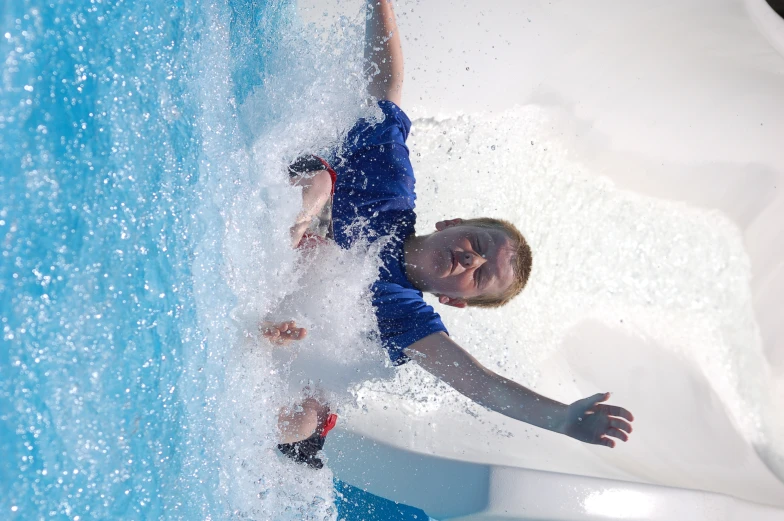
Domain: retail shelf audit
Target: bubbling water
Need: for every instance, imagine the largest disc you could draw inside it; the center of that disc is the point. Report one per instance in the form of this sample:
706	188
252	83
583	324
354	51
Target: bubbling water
144	198
289	100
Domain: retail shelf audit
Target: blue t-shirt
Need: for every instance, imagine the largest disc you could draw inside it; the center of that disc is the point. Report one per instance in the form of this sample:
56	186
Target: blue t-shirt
374	197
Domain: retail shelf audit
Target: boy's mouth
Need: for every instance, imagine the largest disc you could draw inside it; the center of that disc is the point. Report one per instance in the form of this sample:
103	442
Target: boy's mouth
454	261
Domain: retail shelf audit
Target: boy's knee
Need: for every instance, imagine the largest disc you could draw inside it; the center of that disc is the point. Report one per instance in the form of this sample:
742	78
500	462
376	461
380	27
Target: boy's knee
303	420
316	411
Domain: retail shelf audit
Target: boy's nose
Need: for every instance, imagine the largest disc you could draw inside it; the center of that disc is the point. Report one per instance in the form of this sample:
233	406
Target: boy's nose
469	259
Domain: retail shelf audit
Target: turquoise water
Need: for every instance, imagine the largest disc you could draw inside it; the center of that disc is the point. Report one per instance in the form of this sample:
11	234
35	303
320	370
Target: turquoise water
355	504
128	129
97	188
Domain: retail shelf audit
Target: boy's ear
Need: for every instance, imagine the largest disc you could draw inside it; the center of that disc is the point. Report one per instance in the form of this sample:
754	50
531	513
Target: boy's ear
454	302
442	225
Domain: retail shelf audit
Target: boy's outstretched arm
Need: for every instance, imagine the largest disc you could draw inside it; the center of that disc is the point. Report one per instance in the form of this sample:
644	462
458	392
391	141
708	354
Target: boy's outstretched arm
586	420
383	52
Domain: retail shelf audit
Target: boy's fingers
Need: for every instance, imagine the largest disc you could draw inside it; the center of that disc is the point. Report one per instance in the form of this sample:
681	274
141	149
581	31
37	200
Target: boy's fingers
617	433
614	410
591	401
295	333
284	332
607	442
596	398
620	424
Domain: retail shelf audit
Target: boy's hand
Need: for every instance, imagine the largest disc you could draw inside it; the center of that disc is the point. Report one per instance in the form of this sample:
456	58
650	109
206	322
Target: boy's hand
591	421
282	333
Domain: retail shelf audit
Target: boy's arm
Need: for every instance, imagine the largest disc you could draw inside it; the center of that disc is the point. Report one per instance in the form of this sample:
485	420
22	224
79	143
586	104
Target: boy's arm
316	190
383	52
587	420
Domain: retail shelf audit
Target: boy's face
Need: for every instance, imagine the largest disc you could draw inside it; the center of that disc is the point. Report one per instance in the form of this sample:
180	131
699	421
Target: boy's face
459	262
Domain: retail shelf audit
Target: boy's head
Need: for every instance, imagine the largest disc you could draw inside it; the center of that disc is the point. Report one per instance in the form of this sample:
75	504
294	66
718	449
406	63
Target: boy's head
480	262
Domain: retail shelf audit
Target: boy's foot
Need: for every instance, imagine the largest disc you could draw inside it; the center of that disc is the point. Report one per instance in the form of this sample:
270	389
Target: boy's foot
304	451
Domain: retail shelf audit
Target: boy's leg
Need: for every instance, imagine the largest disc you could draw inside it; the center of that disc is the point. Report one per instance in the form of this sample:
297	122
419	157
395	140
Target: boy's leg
306	429
300	422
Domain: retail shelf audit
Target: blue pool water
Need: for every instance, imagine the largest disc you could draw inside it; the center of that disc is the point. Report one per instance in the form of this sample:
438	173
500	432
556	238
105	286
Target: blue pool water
133	135
355	504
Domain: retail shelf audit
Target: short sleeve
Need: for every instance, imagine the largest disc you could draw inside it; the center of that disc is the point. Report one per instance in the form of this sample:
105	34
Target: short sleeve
403	318
375	178
392	130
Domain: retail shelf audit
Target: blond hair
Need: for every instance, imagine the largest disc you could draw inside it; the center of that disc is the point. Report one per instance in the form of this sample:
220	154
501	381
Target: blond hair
523	261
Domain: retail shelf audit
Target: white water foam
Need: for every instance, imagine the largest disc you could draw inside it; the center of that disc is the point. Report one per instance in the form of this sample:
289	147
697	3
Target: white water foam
246	271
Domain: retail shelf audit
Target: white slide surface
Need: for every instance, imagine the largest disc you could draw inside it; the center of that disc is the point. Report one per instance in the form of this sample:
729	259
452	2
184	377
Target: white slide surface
678	103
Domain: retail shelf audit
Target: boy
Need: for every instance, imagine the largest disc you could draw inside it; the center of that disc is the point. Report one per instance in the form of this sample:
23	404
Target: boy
476	262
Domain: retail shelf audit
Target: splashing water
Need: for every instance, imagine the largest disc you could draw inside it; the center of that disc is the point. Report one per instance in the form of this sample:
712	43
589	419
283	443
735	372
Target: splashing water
144	223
